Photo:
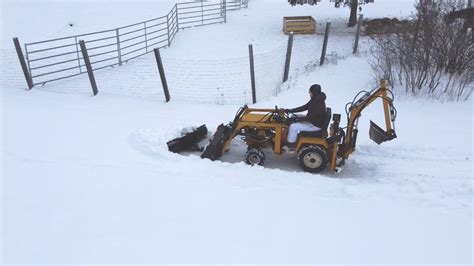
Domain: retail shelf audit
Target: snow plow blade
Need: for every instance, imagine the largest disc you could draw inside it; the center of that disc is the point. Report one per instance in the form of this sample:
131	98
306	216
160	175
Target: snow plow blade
215	148
189	141
378	135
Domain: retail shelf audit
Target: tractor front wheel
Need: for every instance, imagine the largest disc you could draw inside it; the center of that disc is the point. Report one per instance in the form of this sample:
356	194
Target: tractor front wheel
312	158
254	156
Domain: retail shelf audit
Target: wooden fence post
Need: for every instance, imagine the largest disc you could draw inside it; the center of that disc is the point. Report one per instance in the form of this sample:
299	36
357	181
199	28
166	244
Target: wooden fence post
252	74
87	61
161	69
359	25
19	52
288	57
325	44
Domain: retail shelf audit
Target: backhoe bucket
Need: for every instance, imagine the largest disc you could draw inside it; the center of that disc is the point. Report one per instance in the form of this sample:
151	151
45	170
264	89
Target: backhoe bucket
378	135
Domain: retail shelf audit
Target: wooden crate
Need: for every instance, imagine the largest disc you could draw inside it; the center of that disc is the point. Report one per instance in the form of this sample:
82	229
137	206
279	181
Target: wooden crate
299	25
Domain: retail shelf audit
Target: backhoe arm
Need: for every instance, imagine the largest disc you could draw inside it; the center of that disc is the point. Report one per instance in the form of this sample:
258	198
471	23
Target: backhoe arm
376	133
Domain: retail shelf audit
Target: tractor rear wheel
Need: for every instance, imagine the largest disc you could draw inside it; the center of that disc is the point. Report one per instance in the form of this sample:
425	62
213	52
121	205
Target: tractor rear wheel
254	156
312	158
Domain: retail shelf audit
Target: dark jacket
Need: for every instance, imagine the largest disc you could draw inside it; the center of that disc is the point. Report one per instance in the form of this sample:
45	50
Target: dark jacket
316	110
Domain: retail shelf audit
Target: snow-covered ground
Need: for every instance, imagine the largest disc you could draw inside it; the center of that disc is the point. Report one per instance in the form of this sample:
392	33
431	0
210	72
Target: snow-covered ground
89	179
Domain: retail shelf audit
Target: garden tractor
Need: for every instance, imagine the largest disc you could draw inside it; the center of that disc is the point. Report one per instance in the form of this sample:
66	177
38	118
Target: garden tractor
315	151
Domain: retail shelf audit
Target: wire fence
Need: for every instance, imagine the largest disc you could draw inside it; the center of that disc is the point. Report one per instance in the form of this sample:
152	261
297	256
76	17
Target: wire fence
215	81
224	81
61	58
227	81
220	81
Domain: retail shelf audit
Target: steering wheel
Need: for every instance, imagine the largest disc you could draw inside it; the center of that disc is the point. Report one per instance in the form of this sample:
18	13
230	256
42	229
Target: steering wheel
289	117
276	115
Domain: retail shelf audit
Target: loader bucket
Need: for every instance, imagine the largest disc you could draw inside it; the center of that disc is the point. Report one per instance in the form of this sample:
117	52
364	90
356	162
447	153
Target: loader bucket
214	150
378	135
189	141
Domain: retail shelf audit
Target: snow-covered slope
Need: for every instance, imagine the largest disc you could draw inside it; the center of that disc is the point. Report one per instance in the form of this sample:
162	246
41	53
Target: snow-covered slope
89	179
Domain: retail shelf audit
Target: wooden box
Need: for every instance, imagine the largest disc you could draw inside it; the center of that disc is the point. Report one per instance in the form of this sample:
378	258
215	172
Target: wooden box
299	25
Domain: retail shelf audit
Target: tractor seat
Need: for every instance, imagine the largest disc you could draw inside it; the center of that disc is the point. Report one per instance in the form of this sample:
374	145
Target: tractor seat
321	133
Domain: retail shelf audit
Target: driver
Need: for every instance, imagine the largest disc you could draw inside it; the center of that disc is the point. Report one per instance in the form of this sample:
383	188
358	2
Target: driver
314	119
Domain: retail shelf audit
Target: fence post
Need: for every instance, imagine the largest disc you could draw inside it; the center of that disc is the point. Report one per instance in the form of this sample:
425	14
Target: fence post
161	69
119	52
359	25
19	52
87	61
288	57
325	44
252	74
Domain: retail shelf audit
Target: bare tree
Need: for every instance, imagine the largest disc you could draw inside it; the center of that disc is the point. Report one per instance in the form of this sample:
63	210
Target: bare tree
353	17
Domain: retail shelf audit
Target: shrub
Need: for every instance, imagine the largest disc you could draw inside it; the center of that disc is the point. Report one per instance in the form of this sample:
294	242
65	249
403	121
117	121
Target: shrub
428	55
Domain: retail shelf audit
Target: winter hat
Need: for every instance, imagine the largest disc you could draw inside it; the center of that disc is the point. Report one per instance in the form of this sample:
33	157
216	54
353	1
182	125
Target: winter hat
315	89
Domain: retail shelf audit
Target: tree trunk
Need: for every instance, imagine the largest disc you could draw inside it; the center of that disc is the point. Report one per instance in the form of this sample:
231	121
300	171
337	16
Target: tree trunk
353	17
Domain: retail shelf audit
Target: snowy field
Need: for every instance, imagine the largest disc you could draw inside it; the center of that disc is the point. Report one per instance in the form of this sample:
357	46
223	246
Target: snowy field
89	179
